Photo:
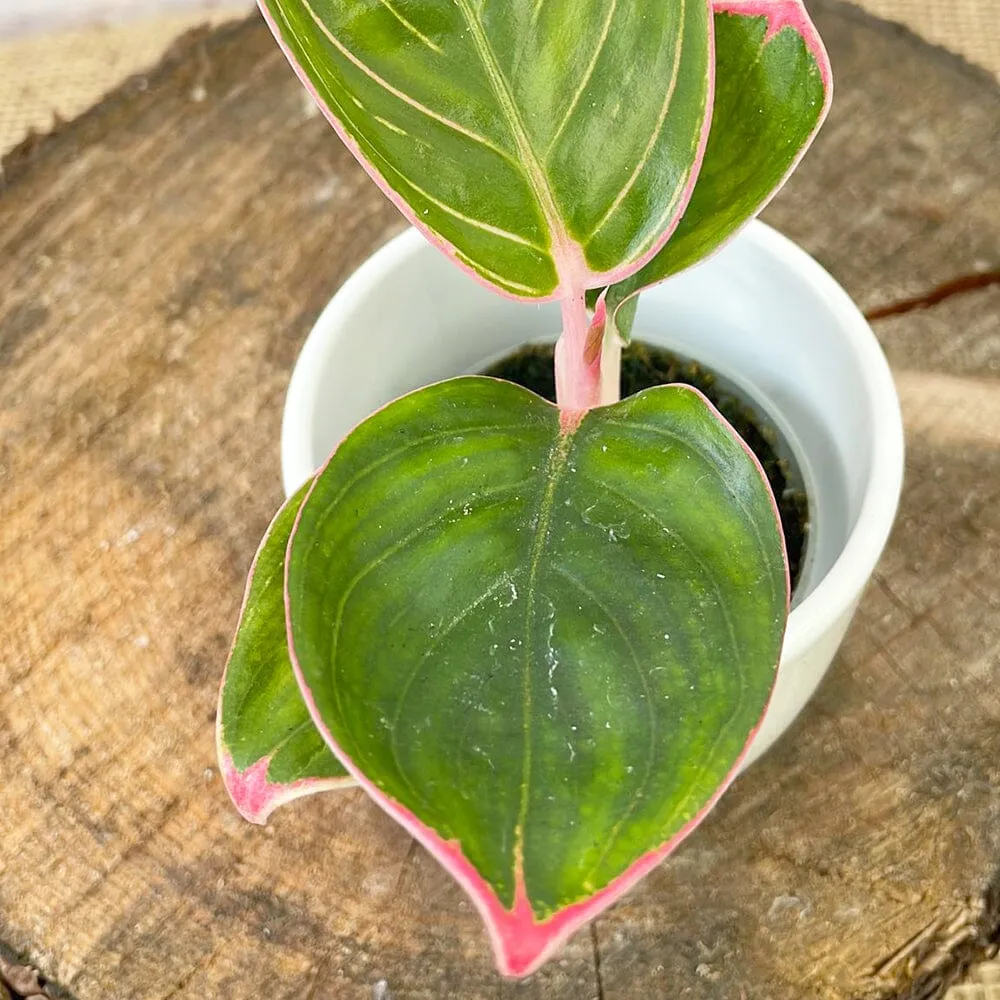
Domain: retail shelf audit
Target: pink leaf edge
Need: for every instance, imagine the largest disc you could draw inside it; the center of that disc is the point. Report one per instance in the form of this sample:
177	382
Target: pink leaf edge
369	168
783	14
626	270
255	797
521	944
780	14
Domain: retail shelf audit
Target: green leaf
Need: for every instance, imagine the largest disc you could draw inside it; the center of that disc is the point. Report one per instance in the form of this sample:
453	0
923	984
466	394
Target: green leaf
540	641
549	145
772	92
269	750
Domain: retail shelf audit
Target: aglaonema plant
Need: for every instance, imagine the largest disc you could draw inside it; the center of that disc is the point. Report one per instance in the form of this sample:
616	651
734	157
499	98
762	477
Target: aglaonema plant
540	637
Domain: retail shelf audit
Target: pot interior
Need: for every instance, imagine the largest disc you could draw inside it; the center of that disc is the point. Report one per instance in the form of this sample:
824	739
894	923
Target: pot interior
645	365
756	314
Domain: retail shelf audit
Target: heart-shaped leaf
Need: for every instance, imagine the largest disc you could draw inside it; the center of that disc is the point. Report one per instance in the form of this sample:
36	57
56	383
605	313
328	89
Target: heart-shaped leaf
549	146
541	640
773	88
269	750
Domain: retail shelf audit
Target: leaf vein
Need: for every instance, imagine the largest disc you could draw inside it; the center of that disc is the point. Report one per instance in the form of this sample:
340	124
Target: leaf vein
737	658
656	133
356	580
400	94
378	463
468	219
410	27
555	467
391	456
405	691
514	286
386	165
588	73
750	519
709	575
651	752
501	88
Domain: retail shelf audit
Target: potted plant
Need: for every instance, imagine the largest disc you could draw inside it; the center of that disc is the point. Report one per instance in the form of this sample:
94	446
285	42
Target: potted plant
542	637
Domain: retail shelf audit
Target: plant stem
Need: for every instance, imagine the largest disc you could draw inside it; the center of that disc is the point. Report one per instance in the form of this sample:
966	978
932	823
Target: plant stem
578	378
611	368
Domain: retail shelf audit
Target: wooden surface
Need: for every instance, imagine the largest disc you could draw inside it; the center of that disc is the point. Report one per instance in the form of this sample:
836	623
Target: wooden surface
161	260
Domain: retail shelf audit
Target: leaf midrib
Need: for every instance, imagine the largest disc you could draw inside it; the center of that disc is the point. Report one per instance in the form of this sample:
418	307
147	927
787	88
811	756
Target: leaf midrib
555	467
533	170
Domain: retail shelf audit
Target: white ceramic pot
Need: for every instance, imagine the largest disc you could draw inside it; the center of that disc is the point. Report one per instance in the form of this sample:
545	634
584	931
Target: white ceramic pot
761	313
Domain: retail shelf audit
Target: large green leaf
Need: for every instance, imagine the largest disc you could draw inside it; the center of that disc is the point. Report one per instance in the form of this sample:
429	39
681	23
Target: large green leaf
772	91
540	640
269	750
550	145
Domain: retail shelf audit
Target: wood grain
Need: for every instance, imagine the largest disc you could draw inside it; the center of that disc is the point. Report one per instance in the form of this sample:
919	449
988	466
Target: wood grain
161	260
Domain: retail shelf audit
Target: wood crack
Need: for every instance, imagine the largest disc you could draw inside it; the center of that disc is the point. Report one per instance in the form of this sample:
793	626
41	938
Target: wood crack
597	960
940	293
181	987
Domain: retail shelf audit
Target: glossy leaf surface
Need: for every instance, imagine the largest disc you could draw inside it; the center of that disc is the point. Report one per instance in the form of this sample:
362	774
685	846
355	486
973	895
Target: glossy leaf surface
549	146
540	641
270	752
772	91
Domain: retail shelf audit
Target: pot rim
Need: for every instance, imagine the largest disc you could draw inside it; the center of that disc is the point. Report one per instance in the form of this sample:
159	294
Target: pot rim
839	589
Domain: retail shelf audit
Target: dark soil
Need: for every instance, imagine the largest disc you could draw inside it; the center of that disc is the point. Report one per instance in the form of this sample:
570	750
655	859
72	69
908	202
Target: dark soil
644	366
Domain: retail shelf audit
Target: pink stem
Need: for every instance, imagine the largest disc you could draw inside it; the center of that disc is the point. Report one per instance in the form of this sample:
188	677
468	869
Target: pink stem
578	379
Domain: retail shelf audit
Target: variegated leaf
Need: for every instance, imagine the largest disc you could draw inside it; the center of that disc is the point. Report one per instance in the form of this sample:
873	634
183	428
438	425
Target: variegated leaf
269	750
549	145
773	88
540	640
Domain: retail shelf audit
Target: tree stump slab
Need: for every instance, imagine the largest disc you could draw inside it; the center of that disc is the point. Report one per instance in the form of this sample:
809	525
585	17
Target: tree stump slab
161	260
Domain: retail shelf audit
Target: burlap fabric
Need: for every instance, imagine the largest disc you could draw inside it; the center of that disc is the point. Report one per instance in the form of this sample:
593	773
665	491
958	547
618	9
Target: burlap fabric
63	72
